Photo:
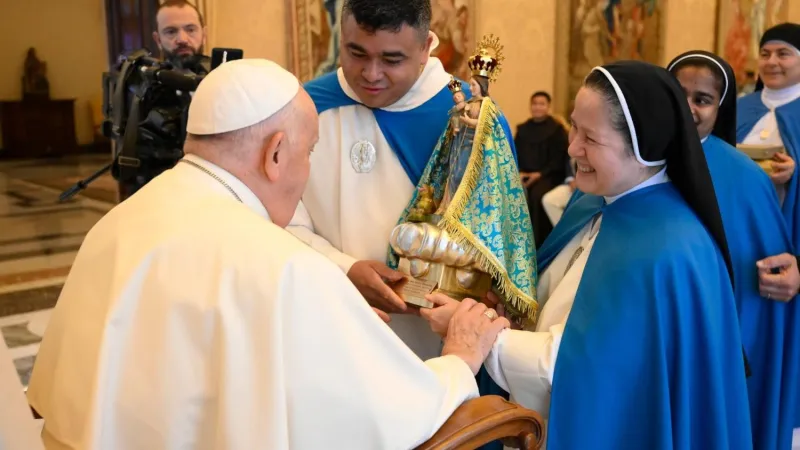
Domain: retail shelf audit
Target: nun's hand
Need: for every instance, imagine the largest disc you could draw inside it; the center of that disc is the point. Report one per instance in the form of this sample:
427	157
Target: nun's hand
782	168
778	277
493	301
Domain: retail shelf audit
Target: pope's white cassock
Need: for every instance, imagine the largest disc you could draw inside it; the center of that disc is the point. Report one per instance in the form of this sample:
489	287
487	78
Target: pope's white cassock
366	163
191	321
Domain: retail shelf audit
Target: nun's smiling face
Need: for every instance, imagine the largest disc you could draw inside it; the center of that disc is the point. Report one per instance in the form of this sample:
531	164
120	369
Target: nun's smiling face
606	165
703	91
779	65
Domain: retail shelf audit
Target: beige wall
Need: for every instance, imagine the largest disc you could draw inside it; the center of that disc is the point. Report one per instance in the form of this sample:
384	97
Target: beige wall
689	25
794	11
70	37
527	30
256	26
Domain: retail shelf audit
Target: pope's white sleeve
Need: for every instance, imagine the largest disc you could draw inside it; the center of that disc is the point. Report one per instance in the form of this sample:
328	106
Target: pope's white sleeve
351	375
302	228
523	362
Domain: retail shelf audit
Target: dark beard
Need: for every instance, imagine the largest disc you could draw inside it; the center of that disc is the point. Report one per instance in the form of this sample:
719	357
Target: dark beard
184	62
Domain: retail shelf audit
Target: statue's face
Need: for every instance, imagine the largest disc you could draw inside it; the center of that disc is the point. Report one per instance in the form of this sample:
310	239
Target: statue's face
474	88
180	35
458	97
383	65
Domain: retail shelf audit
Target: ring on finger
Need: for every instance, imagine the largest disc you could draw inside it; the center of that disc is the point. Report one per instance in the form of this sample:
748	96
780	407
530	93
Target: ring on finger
490	313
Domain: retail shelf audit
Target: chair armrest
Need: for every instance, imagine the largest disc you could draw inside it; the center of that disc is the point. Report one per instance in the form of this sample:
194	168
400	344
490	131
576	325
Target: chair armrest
486	419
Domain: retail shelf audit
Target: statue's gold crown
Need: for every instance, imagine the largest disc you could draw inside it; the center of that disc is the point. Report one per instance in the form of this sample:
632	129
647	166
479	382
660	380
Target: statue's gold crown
488	58
454	85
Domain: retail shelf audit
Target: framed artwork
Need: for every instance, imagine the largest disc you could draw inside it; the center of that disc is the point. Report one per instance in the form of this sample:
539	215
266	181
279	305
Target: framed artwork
453	21
741	23
597	32
314	35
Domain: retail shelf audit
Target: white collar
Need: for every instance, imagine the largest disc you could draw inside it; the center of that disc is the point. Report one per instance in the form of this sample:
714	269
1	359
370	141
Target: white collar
660	177
247	196
703	141
775	98
432	80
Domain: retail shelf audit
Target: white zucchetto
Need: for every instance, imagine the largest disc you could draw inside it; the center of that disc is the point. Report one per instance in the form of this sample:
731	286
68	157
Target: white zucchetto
238	94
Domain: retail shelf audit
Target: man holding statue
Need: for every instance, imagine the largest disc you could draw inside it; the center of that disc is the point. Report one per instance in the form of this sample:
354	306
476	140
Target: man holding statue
384	119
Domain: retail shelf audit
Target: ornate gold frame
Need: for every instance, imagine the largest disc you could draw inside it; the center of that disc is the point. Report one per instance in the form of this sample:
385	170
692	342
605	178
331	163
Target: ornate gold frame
296	47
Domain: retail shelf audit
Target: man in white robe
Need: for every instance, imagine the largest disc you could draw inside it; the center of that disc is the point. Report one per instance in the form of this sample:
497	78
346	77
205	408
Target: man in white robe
192	320
381	115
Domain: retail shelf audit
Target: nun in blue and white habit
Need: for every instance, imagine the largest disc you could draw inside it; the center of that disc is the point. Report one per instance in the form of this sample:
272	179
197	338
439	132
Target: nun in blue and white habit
755	228
637	344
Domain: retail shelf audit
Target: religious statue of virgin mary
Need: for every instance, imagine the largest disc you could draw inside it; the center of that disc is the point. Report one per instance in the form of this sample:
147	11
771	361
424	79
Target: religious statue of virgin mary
467	229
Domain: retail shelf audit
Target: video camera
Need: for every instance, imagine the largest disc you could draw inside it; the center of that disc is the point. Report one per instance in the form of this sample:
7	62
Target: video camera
146	104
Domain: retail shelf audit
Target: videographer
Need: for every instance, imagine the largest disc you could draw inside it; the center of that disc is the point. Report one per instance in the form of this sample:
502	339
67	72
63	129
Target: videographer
180	36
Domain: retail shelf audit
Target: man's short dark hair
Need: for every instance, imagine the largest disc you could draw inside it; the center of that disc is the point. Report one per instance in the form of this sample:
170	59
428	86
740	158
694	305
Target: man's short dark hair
390	15
178	4
541	94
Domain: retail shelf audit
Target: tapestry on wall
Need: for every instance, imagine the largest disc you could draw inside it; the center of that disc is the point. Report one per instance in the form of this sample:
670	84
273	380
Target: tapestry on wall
741	24
604	31
314	31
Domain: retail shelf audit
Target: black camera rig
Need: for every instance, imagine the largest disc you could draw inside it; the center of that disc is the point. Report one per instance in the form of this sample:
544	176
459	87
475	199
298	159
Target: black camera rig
146	104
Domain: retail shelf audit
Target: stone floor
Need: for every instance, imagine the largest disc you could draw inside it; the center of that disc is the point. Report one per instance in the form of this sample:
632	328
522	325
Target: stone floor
39	238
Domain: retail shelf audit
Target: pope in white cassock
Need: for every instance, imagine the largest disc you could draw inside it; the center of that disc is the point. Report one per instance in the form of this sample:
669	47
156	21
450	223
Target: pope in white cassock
381	115
192	320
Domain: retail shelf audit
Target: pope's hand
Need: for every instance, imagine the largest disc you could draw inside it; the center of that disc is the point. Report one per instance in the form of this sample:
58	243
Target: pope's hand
783	169
782	285
472	333
373	279
439	316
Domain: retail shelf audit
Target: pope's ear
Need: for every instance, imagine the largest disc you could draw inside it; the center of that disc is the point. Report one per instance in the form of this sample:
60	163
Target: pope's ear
273	152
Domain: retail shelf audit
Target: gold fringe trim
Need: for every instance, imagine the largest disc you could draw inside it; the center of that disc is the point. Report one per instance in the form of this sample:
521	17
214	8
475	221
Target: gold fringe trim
519	300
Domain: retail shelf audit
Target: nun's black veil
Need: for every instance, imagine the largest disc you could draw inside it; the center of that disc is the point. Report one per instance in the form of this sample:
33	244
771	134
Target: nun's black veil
664	131
725	126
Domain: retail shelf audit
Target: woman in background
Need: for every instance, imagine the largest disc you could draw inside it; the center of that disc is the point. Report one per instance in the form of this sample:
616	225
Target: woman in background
755	229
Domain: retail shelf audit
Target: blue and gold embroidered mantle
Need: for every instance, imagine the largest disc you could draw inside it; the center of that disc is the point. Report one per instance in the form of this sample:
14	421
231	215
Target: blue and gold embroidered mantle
488	210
